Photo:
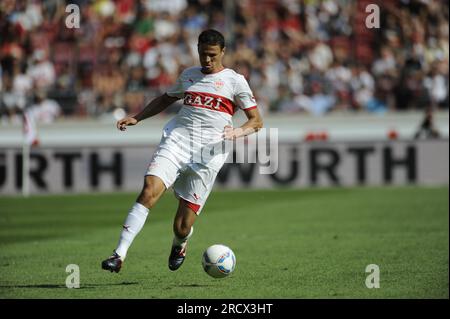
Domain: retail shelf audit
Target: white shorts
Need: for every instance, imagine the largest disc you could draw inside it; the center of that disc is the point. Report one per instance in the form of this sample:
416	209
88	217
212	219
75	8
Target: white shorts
191	182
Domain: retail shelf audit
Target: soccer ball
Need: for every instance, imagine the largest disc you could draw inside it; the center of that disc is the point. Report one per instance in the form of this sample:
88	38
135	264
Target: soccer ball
218	261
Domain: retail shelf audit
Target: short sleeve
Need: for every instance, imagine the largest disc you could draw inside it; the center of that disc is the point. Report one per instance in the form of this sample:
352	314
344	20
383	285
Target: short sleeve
243	95
177	90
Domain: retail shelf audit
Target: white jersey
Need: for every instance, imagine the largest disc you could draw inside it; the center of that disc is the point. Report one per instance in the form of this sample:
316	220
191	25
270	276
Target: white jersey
195	134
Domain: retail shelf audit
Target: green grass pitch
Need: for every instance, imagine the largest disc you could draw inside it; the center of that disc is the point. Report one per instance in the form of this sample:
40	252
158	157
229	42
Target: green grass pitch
312	243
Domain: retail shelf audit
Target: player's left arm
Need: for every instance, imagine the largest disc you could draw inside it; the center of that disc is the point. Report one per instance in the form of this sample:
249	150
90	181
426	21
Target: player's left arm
254	124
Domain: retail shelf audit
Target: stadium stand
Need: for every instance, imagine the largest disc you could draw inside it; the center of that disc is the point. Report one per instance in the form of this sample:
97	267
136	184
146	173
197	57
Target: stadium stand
309	57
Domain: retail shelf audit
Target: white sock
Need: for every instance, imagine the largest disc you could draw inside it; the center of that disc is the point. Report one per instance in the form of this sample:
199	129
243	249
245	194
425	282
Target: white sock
182	241
132	226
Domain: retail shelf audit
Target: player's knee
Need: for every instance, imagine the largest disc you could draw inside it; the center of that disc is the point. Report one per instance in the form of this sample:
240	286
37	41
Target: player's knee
181	229
148	196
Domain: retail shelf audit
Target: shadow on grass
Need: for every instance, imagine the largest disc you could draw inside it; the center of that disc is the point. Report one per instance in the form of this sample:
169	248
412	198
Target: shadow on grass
82	286
186	286
193	285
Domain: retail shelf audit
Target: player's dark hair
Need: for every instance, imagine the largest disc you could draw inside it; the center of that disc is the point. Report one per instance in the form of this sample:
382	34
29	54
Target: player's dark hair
211	37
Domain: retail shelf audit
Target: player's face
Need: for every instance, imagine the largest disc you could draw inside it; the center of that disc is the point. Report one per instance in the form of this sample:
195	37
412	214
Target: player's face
210	57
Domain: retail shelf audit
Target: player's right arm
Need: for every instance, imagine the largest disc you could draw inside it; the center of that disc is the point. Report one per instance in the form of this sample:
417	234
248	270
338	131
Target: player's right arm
154	107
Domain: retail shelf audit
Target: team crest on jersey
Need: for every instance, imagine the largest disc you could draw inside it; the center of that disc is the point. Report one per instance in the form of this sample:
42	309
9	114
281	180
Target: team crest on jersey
219	84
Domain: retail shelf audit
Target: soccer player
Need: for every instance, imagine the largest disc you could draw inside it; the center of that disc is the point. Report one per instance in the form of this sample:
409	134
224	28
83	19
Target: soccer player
183	160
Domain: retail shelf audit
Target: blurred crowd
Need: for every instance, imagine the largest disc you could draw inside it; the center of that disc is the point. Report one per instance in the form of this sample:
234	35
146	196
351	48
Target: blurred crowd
312	56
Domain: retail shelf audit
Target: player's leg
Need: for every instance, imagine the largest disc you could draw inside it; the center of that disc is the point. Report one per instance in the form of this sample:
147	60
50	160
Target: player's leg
192	188
152	190
160	175
183	228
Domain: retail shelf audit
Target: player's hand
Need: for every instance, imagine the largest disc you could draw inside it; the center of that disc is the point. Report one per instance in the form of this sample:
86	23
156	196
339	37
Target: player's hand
127	121
228	133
